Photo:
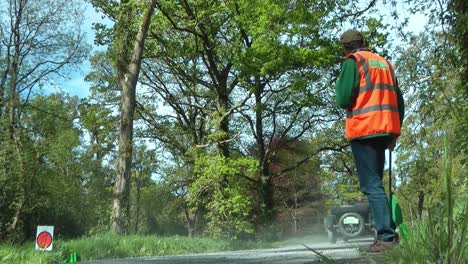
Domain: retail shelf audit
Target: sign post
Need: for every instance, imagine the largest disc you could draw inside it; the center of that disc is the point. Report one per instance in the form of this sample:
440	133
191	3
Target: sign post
44	238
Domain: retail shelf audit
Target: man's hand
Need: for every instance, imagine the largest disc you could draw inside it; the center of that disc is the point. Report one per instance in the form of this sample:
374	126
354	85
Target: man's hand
391	145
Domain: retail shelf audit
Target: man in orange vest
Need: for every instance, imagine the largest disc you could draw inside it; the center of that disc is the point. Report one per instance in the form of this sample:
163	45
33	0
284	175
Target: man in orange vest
368	89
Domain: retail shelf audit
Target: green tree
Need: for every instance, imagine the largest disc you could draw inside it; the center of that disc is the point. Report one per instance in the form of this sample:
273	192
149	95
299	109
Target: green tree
34	52
297	193
340	181
219	65
434	100
128	42
220	186
161	210
99	127
218	76
50	168
104	81
280	65
144	166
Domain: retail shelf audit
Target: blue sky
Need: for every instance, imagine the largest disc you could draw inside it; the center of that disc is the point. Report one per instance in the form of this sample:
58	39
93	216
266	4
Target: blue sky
76	85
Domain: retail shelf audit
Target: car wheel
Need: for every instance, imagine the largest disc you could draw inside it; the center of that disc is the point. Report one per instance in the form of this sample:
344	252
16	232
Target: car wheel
351	225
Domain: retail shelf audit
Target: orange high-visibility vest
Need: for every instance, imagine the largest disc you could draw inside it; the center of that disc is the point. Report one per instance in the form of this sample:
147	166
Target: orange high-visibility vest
375	109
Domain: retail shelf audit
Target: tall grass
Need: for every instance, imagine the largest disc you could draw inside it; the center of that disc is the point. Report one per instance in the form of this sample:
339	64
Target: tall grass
441	238
26	254
111	246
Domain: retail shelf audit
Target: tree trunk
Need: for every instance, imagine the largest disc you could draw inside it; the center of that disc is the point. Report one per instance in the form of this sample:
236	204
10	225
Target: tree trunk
267	198
3	81
223	106
460	9
293	212
137	201
420	204
264	173
259	138
191	221
127	80
411	216
12	121
14	71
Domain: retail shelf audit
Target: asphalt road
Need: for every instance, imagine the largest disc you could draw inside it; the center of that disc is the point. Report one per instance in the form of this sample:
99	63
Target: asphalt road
341	252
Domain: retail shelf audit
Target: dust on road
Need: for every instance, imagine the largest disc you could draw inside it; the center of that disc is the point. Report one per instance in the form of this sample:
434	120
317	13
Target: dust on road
341	252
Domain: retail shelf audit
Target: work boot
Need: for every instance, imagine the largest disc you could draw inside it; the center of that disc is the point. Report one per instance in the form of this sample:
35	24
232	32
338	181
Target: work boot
381	246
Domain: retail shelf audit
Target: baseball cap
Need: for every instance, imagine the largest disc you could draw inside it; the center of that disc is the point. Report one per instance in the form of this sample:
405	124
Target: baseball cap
351	35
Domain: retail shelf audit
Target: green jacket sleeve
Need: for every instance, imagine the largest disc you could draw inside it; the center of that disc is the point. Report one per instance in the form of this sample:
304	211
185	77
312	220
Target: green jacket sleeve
346	83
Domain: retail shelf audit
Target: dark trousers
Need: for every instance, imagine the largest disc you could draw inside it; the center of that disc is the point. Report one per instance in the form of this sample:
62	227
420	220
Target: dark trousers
369	157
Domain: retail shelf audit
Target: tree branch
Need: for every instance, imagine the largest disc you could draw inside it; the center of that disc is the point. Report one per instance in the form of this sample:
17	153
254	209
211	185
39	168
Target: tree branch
299	163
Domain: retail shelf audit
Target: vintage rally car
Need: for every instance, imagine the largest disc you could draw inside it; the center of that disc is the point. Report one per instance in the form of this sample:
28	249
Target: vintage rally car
348	222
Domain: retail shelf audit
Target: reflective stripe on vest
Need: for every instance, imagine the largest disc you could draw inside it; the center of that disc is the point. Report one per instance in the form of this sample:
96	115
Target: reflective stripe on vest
375	108
371	109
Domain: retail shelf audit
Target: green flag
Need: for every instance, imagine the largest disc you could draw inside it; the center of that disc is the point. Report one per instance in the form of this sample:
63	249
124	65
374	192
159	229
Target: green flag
397	215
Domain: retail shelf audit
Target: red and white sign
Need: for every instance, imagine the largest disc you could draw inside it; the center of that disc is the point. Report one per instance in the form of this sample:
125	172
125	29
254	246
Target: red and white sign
44	238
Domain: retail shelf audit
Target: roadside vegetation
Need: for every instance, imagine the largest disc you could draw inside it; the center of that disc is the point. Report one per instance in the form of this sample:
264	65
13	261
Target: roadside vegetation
111	246
442	236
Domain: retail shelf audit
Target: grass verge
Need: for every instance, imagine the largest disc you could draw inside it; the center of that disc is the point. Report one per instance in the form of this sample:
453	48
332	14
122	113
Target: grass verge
442	236
111	246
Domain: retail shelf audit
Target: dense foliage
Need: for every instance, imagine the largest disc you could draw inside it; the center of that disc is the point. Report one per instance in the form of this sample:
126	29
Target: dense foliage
235	133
